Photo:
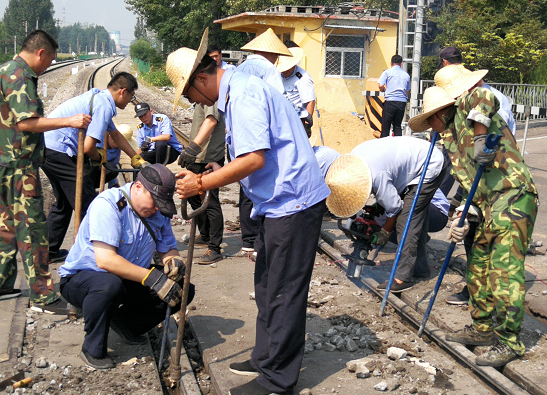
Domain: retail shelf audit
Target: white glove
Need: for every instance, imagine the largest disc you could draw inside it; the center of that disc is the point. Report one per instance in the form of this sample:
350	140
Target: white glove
473	214
456	234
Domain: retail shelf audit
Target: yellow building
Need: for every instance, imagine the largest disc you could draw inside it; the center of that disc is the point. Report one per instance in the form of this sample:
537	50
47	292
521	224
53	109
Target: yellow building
342	49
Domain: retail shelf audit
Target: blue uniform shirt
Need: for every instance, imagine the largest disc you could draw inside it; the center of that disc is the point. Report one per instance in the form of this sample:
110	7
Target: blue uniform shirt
66	139
262	68
161	124
112	222
397	82
260	118
226	66
325	156
299	90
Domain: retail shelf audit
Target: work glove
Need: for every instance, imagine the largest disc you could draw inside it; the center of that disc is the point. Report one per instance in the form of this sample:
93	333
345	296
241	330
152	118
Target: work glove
483	156
381	237
309	120
456	234
102	154
188	154
138	162
145	145
474	214
166	289
174	268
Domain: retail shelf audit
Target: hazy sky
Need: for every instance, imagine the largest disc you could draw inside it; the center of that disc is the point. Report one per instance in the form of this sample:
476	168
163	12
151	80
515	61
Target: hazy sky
111	14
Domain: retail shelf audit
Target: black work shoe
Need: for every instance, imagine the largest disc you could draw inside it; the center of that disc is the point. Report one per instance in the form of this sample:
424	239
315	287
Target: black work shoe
97	363
243	368
459	299
9	293
497	355
123	331
209	257
58	307
254	388
472	337
60	256
395	288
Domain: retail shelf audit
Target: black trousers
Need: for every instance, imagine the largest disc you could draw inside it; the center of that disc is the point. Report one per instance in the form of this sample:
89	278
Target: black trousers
159	154
249	227
211	222
102	295
60	169
282	277
393	114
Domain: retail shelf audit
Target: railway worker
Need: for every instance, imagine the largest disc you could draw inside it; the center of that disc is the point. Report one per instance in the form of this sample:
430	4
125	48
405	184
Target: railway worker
215	52
395	165
62	150
298	86
275	164
395	82
23	223
155	135
507	199
108	272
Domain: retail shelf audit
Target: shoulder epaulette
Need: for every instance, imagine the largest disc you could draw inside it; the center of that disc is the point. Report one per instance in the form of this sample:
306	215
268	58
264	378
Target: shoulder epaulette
298	74
159	119
140	125
122	203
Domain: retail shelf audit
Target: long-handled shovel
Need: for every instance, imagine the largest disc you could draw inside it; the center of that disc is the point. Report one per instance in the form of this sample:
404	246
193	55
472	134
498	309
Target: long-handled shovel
491	142
407	226
79	181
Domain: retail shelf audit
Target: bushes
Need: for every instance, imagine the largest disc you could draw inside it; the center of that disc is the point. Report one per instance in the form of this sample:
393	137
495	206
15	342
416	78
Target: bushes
157	77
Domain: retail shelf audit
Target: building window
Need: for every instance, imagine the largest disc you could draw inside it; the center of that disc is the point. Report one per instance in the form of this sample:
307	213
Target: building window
345	56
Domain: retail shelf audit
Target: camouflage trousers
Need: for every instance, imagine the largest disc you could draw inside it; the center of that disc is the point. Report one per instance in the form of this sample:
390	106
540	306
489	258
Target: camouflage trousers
495	272
23	228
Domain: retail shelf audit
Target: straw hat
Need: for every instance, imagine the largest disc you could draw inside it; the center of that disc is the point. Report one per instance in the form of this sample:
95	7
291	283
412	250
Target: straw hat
127	133
350	182
287	62
182	63
267	42
435	99
456	79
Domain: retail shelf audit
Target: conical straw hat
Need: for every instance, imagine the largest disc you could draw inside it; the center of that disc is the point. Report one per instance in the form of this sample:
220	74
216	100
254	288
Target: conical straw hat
456	79
435	99
267	42
182	63
287	62
350	183
127	133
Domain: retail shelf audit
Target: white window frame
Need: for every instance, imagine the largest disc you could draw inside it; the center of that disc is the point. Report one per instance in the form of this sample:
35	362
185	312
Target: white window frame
342	50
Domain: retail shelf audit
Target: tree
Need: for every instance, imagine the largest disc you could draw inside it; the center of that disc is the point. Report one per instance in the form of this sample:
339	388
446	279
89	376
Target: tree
140	29
72	36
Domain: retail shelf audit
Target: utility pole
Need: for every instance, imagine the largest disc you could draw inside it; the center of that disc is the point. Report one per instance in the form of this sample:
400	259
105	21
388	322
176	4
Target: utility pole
15	45
416	59
69	48
95	43
36	24
78	45
26	25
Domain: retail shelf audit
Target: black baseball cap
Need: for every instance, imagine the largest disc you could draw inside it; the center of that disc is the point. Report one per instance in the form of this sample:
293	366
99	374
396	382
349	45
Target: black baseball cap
141	109
448	53
160	182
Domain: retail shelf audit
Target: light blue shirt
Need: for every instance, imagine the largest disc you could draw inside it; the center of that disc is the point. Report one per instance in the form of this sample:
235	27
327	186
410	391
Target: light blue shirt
262	68
505	109
299	90
117	225
257	118
395	163
325	156
161	124
226	66
441	202
104	109
397	82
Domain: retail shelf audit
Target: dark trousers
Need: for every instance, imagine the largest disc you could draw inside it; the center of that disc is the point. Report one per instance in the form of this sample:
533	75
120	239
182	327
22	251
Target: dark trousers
159	154
414	253
60	169
102	295
282	277
249	227
211	222
393	114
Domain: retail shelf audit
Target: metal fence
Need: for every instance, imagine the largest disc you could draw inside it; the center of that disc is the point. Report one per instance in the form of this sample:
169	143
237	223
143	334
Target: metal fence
143	67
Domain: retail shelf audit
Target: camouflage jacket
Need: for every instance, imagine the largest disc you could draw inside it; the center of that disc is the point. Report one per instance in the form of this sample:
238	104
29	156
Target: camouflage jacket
18	101
509	172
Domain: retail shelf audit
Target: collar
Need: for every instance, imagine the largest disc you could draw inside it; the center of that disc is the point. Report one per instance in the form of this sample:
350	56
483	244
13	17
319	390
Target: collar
292	74
255	56
224	89
24	65
110	99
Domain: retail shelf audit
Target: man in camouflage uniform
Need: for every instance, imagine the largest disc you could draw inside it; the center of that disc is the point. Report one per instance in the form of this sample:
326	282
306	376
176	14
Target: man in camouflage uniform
22	221
507	198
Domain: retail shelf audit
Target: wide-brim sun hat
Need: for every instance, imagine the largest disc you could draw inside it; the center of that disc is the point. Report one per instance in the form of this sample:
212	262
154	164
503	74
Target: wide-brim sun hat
267	42
456	79
435	99
350	183
285	63
127	133
182	63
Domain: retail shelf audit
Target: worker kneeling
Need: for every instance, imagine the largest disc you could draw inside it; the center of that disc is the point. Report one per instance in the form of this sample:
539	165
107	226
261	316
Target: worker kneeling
108	272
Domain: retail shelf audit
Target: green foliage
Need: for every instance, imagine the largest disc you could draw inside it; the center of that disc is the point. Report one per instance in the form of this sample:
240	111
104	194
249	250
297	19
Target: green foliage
539	75
143	50
77	37
157	77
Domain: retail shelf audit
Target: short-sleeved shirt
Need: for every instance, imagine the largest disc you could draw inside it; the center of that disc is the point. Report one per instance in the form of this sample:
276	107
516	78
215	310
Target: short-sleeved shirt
262	68
104	109
325	156
397	82
395	163
505	109
19	101
299	90
161	124
213	148
111	220
258	117
226	66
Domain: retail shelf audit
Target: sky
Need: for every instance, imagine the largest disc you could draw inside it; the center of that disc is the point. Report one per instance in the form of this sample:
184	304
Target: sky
111	14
